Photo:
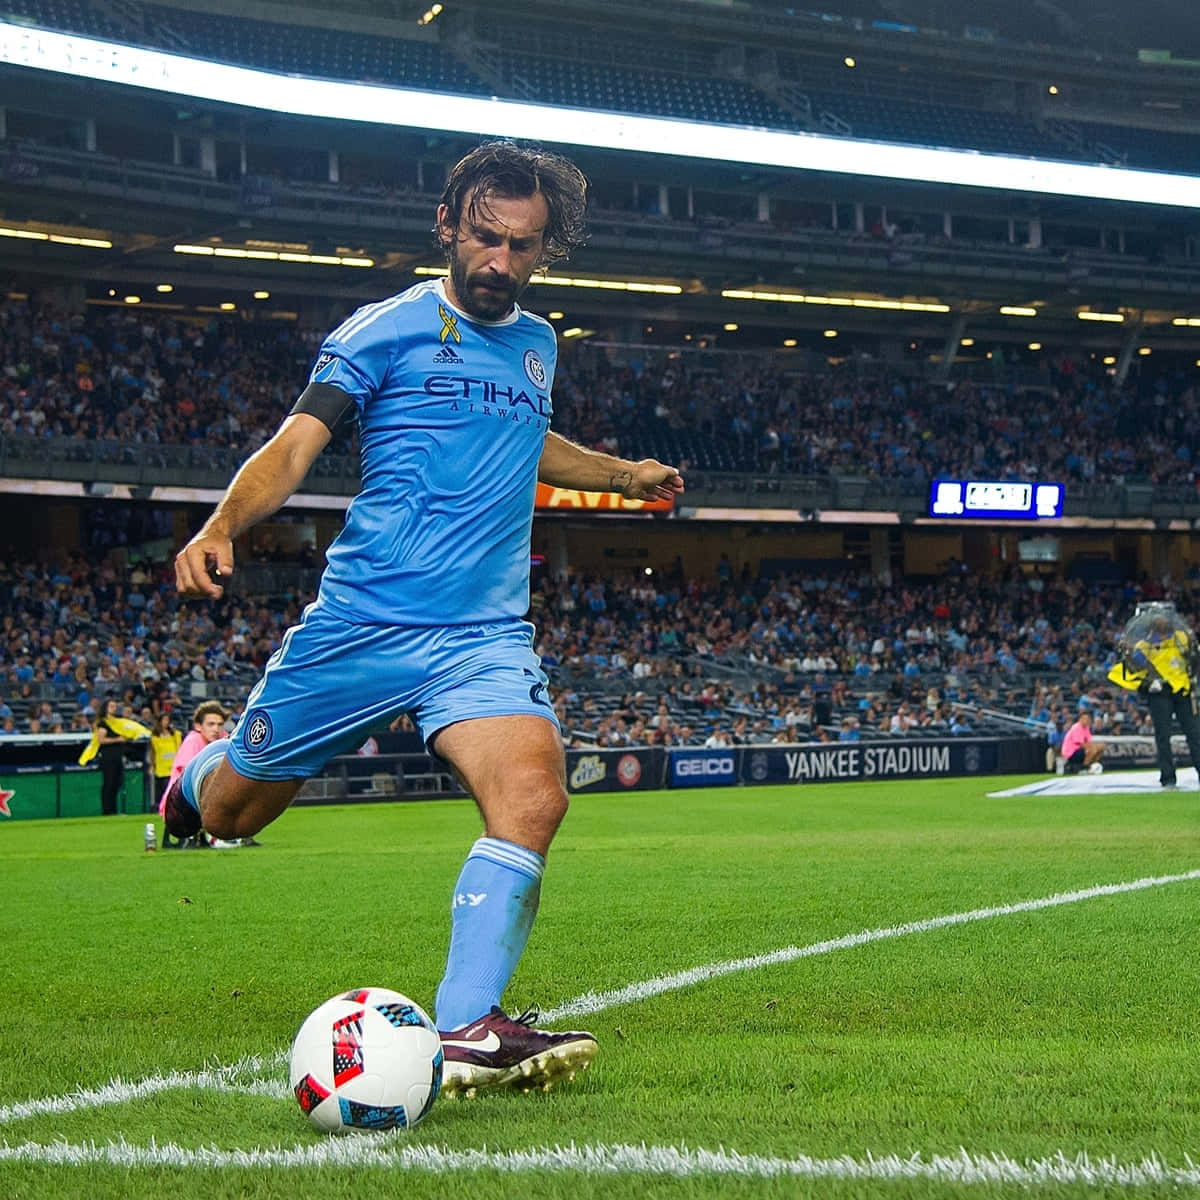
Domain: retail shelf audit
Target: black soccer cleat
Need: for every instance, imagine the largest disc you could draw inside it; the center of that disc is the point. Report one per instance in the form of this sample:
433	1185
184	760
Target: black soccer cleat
180	818
497	1051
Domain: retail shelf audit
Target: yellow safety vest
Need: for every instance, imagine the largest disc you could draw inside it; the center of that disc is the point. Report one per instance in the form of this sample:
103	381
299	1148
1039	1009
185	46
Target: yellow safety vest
165	747
1167	660
122	727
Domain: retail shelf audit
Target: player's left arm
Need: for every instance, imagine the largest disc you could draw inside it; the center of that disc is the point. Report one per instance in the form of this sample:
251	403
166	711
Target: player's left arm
564	464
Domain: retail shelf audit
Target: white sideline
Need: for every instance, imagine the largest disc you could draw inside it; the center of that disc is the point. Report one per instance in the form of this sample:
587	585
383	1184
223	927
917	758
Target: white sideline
594	1002
395	1152
241	1076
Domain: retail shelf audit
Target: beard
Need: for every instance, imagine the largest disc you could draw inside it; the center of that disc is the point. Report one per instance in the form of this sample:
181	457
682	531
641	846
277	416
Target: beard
483	294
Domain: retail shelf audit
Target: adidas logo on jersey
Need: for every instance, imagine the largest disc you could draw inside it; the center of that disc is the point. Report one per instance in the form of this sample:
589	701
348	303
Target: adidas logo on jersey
447	354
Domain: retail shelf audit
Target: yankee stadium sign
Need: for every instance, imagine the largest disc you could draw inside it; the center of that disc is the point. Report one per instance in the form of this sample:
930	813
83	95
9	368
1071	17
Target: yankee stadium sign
912	758
866	762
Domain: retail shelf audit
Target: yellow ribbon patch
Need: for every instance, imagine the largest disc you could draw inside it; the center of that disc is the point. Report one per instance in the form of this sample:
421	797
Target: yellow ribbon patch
449	324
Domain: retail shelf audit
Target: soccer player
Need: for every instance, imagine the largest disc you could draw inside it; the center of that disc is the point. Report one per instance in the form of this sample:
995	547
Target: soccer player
421	606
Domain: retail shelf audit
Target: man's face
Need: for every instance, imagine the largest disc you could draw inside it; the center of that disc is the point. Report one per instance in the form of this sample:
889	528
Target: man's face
211	727
493	252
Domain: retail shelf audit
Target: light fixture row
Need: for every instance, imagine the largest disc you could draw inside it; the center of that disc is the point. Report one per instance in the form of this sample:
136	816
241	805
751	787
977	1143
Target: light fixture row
293	256
607	285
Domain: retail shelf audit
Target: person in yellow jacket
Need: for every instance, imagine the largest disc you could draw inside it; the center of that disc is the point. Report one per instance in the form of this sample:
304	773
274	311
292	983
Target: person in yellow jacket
110	735
164	744
1159	660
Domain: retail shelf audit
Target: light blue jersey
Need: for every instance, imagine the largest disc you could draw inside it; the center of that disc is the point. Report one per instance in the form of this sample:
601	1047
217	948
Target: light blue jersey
453	414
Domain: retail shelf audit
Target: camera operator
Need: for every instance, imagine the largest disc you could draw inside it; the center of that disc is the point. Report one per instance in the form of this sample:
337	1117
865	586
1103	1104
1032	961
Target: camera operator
1159	660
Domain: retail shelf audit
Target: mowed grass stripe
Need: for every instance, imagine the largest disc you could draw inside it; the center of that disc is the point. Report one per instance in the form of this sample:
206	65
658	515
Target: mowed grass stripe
245	1076
594	1002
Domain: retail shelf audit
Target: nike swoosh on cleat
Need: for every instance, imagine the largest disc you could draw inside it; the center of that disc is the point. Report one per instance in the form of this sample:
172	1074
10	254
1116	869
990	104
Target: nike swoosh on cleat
487	1044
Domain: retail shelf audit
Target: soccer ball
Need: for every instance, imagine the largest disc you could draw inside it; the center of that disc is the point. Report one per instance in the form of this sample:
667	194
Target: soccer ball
367	1059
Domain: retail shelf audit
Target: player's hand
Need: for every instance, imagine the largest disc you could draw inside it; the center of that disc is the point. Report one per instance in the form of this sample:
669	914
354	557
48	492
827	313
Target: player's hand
206	555
653	480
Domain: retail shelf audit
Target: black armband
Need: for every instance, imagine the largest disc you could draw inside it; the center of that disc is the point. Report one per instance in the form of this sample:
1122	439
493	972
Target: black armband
323	401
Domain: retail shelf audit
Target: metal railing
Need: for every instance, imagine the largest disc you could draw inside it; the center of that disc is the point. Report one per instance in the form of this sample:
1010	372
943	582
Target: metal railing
102	466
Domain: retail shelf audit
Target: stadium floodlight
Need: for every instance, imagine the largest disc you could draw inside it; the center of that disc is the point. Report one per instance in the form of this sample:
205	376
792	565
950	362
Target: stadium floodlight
247	87
1017	310
1112	318
322	260
836	301
604	285
62	239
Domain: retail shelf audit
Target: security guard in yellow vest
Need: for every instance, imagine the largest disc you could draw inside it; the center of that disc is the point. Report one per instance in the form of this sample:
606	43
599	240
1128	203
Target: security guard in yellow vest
1159	660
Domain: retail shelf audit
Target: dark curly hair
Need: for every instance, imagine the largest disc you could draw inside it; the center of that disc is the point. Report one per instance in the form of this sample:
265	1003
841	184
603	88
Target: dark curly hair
503	168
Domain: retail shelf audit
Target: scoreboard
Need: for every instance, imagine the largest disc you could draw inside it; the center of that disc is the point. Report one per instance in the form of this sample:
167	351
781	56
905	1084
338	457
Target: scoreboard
995	499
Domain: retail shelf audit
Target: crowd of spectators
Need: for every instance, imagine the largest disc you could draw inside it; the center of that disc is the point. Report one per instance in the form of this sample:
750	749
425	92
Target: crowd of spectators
139	378
830	655
143	378
633	659
753	413
73	635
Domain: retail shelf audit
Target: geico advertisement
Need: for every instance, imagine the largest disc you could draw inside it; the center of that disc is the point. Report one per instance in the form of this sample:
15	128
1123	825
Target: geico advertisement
703	768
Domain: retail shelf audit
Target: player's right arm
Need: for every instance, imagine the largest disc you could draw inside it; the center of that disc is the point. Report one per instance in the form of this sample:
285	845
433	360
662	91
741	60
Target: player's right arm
262	485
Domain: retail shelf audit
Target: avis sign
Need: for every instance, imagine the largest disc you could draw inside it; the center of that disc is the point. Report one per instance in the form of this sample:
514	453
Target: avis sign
570	500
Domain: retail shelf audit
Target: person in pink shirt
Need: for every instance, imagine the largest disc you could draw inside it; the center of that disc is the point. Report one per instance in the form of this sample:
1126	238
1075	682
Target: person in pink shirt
1080	750
208	725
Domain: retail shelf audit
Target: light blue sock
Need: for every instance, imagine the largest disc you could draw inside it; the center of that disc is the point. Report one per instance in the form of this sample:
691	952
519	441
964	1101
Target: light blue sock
495	901
199	769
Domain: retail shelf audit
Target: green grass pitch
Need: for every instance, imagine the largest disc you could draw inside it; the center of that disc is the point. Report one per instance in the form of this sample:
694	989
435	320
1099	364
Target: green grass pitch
1036	1037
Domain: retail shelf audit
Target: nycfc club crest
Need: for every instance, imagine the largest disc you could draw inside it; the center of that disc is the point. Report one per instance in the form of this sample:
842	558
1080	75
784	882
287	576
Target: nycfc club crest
534	369
259	731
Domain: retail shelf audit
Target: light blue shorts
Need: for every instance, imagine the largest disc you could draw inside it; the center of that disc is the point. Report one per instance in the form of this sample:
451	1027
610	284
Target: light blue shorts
331	683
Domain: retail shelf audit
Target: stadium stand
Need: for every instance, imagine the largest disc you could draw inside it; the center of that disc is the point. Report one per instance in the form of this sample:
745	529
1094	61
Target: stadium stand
578	65
632	660
171	392
1160	149
927	124
826	653
576	68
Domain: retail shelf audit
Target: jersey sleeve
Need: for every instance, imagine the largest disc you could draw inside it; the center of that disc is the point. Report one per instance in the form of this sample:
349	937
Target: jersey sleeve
357	356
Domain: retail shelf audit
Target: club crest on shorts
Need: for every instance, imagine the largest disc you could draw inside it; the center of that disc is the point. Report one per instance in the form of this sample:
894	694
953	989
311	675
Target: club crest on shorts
535	369
259	731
